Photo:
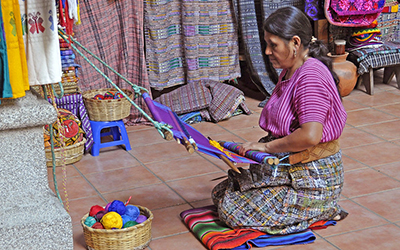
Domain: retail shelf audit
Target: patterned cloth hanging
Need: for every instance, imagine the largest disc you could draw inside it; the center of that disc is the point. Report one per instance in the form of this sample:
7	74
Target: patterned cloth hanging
15	47
39	18
113	30
188	41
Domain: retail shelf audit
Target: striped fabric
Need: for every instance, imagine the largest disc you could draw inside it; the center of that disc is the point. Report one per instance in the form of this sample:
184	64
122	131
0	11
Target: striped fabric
204	223
113	31
378	61
187	41
309	96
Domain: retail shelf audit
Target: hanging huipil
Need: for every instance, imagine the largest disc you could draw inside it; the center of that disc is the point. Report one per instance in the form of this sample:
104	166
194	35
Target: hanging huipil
15	47
5	87
39	19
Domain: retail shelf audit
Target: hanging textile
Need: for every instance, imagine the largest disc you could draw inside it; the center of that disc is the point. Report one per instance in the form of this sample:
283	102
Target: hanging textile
39	18
189	41
314	9
113	31
15	47
5	87
250	15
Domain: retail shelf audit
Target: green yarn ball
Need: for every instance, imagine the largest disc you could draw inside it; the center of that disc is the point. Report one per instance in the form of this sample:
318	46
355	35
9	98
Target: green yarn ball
130	223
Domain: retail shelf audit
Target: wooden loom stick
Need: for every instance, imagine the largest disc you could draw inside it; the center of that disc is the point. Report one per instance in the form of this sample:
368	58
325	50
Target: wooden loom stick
191	141
184	140
230	164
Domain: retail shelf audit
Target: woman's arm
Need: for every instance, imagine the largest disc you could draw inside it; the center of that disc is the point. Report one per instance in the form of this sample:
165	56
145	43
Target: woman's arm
309	134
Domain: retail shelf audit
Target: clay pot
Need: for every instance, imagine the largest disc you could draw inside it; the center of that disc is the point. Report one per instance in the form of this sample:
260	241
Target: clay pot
346	71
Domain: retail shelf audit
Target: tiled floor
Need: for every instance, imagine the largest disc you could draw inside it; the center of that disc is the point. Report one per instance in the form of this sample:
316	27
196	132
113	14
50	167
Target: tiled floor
162	176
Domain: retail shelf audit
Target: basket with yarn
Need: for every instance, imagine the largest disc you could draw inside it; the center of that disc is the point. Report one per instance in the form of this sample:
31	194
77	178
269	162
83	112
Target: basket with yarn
107	104
117	226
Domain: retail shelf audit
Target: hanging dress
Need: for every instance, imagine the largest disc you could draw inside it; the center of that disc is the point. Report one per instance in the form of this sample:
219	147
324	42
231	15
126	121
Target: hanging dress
5	87
40	34
15	47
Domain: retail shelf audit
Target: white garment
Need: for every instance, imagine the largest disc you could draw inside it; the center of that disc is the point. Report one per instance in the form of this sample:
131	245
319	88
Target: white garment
39	21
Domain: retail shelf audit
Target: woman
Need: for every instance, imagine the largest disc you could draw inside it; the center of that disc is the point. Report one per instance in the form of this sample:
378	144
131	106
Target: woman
304	118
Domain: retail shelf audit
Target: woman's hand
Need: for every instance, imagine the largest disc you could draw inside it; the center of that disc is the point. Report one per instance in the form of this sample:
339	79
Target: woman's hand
257	146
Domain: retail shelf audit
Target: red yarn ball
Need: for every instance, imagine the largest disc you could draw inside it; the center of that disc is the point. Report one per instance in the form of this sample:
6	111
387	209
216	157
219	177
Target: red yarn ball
95	209
98	97
98	225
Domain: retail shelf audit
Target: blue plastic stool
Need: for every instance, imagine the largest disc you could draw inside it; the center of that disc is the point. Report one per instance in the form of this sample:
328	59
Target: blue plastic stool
117	130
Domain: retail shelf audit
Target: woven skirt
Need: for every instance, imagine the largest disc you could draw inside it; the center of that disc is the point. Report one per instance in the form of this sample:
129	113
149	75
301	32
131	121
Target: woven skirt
281	200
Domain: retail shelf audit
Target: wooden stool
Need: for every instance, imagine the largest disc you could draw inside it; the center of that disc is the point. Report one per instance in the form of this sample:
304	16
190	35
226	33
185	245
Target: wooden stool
117	131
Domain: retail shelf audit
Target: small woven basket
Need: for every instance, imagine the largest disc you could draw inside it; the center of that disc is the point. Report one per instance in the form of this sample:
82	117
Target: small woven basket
131	238
107	110
72	154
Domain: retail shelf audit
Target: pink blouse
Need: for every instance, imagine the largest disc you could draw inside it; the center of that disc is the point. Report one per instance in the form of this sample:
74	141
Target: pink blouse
310	95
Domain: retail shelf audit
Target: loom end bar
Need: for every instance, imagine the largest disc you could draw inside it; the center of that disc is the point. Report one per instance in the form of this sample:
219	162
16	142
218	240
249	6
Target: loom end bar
168	135
230	164
188	145
276	161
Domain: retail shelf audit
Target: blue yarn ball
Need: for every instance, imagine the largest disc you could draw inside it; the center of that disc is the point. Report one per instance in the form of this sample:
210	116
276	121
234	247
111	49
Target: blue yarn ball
125	219
89	221
118	207
132	211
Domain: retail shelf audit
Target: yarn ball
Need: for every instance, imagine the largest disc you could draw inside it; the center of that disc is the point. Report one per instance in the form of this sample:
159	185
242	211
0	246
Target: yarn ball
118	95
130	223
95	209
109	94
125	219
112	220
132	211
117	206
98	225
98	97
141	218
107	206
100	215
90	221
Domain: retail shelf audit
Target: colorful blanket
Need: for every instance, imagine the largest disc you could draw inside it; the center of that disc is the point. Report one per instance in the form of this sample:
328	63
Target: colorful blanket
204	223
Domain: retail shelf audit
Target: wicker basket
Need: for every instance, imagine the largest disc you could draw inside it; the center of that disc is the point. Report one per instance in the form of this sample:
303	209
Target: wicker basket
107	110
131	238
72	154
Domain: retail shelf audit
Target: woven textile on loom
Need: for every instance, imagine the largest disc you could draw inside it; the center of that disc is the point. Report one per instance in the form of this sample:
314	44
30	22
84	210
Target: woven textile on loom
187	41
204	223
113	31
389	21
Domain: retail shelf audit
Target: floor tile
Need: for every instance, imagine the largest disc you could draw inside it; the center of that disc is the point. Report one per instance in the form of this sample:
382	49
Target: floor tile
120	179
378	99
374	154
393	109
350	105
366	181
383	237
351	164
385	204
359	218
368	116
391	169
106	161
139	138
182	167
76	187
153	197
240	122
167	221
78	208
386	130
180	241
159	152
352	137
195	188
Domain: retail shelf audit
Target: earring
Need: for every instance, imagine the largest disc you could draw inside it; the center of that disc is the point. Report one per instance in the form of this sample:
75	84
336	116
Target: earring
295	53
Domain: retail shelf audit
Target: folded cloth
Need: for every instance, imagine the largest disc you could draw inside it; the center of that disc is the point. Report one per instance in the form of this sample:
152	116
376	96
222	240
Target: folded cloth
204	223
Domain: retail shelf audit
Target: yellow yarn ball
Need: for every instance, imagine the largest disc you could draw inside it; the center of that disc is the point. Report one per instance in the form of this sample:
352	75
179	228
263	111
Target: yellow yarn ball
111	220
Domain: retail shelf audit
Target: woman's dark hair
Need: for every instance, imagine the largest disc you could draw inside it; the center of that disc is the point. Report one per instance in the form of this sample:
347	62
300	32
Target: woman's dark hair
290	21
